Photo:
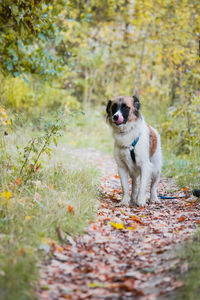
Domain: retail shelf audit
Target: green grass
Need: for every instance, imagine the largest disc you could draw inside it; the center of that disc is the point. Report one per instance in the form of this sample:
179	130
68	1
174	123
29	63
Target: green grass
28	219
89	130
190	255
184	169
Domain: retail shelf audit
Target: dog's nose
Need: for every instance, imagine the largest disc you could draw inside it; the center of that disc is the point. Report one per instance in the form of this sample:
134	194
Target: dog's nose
115	117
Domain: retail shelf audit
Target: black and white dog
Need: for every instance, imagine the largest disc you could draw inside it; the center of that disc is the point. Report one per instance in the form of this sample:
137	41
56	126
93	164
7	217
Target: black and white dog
137	150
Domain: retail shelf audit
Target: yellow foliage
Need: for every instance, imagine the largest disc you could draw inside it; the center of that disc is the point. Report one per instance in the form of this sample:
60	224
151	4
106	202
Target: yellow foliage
27	218
3	117
7	195
18	93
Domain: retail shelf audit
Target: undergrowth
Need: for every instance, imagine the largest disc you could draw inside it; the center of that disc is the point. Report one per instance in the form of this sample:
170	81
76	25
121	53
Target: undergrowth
59	196
190	256
184	169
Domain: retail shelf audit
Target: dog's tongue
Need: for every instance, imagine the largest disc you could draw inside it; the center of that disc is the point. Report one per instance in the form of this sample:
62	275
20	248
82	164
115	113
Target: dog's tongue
120	120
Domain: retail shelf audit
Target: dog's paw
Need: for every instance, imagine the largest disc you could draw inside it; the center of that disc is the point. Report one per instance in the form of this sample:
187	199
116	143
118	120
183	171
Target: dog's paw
154	199
133	202
134	198
141	202
124	202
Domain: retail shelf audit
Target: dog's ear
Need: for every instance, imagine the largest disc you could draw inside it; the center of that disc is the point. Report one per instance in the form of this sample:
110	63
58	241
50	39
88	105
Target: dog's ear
108	107
136	104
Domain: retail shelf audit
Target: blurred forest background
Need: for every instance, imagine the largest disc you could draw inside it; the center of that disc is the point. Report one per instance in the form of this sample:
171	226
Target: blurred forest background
75	55
60	62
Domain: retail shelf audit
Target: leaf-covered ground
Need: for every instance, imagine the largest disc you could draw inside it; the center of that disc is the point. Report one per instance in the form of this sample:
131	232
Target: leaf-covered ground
127	253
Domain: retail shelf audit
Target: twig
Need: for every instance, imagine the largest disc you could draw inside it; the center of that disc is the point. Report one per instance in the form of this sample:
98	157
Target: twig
45	144
43	148
33	141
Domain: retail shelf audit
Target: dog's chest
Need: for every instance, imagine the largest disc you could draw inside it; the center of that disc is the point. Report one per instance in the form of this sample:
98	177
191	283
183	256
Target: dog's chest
123	156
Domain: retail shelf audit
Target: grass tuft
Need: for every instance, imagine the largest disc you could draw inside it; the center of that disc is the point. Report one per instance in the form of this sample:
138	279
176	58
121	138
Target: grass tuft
185	169
190	255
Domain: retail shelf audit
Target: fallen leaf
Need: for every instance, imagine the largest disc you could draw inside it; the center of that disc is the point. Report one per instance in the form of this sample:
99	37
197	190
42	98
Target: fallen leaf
185	189
182	218
18	181
117	225
70	209
96	285
135	218
57	248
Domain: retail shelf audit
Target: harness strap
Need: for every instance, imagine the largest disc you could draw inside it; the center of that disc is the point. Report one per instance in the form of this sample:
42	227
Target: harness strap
134	143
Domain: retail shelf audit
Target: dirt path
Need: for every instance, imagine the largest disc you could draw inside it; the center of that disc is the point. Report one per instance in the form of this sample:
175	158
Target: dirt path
127	252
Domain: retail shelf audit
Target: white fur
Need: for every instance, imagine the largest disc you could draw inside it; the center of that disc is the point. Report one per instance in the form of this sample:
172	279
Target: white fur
145	170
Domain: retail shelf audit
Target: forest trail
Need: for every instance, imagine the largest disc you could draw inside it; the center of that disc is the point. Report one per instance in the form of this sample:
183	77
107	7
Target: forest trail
126	253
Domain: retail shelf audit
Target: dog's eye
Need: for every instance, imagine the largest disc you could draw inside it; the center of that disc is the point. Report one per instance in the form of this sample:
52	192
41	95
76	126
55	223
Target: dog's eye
114	108
124	106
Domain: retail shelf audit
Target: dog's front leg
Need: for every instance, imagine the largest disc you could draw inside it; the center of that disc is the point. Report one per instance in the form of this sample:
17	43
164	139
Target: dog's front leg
153	188
134	190
145	176
123	174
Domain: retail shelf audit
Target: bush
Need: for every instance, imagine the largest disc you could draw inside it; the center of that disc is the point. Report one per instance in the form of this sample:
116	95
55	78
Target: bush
34	98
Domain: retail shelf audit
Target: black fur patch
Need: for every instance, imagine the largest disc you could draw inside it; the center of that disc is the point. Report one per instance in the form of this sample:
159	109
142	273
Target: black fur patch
196	193
125	111
108	107
115	108
136	104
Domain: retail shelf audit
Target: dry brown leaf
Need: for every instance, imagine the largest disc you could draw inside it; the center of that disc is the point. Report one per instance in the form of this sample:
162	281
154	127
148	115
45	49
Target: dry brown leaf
70	209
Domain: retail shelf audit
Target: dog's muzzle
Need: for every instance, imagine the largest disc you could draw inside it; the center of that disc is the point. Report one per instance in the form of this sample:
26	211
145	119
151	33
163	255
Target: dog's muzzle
118	118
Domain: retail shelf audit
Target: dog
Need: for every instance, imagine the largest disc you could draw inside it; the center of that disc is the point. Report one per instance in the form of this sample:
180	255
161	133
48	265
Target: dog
137	150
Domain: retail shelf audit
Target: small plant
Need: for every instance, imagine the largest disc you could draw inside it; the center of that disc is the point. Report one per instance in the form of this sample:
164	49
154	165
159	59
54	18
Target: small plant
5	127
35	148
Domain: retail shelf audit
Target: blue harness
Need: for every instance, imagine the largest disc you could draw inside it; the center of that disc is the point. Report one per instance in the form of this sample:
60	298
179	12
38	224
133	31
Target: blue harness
134	143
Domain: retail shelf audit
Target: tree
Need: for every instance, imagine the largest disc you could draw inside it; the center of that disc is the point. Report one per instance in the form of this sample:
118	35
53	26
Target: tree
27	30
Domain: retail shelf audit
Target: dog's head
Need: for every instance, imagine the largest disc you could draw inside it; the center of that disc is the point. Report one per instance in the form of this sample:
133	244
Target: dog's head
123	110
